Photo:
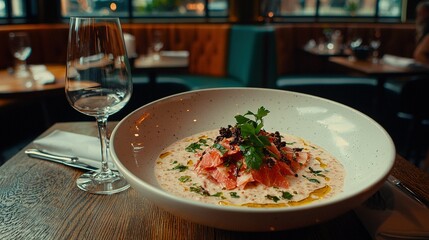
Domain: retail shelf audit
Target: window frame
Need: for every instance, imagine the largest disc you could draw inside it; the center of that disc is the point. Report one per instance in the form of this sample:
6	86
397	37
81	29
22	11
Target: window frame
317	17
46	11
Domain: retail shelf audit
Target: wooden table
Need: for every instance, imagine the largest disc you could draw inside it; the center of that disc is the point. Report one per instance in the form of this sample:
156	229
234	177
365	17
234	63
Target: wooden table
40	200
166	63
379	71
11	87
13	90
326	53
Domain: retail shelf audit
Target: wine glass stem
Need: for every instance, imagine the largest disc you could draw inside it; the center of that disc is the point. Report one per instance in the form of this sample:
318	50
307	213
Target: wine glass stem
104	141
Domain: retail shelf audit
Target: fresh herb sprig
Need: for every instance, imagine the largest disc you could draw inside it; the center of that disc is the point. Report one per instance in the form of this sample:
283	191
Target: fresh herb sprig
193	147
253	144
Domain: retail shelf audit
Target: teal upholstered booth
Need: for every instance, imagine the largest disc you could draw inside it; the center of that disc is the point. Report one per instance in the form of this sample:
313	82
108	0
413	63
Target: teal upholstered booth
245	65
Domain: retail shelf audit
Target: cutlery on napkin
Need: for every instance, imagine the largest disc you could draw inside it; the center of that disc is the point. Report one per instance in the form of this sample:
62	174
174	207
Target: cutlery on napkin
392	214
85	148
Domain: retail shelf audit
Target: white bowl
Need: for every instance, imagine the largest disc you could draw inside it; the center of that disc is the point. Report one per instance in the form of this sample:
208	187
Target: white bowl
359	143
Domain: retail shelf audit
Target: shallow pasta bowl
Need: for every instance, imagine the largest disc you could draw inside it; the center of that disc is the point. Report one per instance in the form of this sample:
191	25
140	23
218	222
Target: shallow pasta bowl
359	143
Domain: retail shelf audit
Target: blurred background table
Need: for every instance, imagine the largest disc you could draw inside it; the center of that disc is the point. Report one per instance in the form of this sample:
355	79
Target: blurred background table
11	87
378	70
39	200
166	62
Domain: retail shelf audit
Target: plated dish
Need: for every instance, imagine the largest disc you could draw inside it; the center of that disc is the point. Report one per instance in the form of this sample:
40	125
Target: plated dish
244	165
362	147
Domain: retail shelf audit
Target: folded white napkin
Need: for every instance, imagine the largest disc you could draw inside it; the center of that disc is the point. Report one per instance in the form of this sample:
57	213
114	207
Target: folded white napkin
86	148
398	61
392	212
182	54
41	74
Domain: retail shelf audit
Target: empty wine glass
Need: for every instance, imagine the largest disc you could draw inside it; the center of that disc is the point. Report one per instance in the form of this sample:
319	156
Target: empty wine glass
157	45
98	84
375	44
20	47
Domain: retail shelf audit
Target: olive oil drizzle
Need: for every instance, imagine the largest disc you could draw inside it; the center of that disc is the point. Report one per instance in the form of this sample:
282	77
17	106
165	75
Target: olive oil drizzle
322	164
163	155
313	196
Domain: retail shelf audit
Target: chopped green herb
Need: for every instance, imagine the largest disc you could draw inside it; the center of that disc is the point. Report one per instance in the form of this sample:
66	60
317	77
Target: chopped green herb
316	172
234	195
185	178
290	143
313	180
218	194
200	190
221	148
180	167
193	147
287	195
274	198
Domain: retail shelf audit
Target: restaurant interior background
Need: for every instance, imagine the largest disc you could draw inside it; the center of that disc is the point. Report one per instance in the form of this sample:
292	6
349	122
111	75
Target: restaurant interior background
210	31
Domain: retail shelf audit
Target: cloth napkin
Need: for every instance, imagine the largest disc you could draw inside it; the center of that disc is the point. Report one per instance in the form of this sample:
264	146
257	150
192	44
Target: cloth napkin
392	212
180	54
41	75
398	61
86	148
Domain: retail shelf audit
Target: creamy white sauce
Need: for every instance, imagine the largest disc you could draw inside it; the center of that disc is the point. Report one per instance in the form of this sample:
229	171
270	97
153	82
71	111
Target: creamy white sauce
175	173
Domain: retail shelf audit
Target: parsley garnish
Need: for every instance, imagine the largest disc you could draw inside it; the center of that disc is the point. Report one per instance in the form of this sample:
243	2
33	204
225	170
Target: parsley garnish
193	147
287	195
221	148
313	180
234	195
185	178
218	194
316	172
180	167
253	145
200	190
274	198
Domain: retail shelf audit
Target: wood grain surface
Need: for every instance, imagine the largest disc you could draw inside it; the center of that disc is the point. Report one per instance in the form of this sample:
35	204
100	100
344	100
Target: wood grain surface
40	200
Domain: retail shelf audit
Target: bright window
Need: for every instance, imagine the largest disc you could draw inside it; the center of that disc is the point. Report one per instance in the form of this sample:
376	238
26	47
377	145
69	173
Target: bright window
145	8
3	12
219	8
117	8
12	8
332	8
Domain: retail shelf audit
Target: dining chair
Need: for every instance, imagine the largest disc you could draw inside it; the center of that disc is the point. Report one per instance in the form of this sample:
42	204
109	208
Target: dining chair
413	107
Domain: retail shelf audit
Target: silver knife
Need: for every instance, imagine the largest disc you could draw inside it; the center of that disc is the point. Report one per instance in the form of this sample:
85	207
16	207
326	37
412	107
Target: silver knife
396	182
66	160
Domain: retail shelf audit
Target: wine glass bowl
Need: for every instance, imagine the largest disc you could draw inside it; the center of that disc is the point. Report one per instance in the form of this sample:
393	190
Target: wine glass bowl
98	84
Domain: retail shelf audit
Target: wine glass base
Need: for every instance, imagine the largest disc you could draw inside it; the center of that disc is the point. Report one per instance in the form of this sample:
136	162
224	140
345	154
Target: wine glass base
102	183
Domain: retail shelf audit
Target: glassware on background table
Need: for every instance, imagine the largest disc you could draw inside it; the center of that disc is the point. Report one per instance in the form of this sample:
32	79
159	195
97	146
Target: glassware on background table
20	47
375	43
98	84
157	45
